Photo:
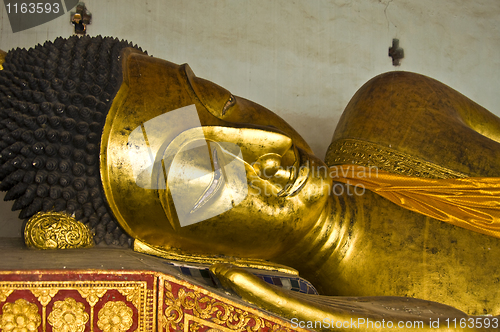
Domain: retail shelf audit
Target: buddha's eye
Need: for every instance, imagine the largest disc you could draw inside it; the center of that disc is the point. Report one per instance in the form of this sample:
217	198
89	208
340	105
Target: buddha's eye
229	103
215	184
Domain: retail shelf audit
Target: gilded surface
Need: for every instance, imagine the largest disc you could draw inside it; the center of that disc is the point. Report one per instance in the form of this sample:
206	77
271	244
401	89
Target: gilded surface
134	295
333	309
92	295
195	324
347	244
344	242
133	149
188	308
56	230
115	316
176	305
44	295
205	308
358	152
68	316
2	58
69	313
4	294
141	247
20	315
426	119
456	201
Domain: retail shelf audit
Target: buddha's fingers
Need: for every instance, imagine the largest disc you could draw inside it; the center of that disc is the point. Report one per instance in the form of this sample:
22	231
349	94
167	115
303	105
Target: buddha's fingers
324	313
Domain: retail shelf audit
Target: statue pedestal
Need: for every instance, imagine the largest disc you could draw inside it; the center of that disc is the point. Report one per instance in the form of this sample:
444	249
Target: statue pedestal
114	290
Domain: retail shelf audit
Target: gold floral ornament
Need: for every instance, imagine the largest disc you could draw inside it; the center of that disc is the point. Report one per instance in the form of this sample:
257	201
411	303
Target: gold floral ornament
68	316
205	307
4	294
20	316
44	295
56	230
115	316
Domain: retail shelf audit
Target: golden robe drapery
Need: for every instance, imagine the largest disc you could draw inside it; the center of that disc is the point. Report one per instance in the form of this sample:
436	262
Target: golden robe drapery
472	203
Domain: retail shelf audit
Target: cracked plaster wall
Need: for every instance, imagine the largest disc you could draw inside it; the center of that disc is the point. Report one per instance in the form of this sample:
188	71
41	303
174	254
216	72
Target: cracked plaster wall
302	59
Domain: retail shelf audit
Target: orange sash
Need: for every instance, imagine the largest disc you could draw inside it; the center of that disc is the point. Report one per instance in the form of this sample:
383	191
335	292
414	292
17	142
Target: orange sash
472	203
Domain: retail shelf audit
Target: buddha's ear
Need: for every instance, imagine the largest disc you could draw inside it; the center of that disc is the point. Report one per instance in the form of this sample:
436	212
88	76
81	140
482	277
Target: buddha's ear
211	95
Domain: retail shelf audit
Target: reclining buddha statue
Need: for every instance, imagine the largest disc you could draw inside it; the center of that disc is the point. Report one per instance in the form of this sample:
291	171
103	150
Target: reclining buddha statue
139	148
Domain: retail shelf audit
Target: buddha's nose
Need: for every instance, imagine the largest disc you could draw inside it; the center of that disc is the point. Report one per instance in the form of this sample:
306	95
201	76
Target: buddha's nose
267	165
273	168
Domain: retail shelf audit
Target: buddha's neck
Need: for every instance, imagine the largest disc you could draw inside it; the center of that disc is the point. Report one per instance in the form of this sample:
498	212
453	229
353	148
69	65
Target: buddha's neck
329	237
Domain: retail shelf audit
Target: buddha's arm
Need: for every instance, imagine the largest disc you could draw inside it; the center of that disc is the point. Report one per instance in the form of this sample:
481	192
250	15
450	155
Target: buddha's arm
478	118
302	308
416	116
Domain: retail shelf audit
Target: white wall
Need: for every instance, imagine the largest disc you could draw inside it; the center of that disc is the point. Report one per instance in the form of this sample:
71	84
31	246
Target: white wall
302	59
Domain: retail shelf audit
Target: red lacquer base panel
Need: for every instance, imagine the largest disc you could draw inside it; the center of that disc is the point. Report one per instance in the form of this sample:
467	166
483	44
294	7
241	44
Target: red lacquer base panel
120	301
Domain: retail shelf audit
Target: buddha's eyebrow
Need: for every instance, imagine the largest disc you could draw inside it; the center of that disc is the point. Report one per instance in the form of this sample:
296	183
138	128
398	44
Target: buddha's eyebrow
230	102
217	180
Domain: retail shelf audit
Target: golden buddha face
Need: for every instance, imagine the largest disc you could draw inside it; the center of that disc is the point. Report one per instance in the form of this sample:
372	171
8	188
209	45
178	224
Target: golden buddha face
189	166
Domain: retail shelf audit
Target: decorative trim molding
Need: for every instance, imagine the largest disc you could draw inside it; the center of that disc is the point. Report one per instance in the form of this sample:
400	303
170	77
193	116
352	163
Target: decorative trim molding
177	255
106	300
357	152
183	307
56	230
86	296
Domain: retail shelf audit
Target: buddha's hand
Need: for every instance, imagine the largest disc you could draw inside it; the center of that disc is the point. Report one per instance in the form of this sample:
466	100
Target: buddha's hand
237	279
254	290
226	273
288	304
343	313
